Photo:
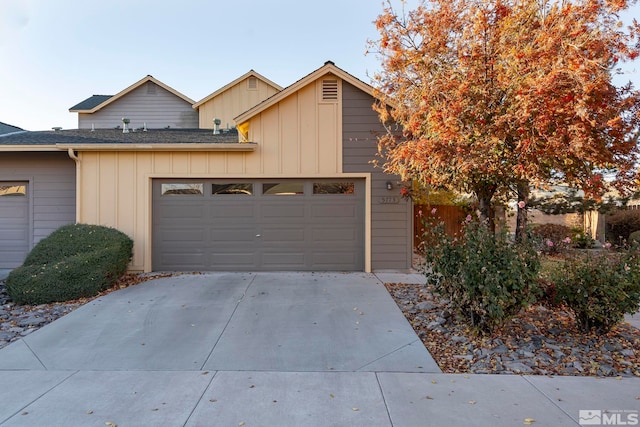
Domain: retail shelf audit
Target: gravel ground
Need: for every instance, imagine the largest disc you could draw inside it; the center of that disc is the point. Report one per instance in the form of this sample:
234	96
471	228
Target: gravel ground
539	341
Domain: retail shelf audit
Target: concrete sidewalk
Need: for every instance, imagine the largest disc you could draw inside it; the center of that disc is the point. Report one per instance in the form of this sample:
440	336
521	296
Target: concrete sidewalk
267	349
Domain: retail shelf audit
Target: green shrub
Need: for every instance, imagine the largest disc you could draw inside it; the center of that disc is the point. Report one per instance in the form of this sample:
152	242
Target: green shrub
487	278
620	224
75	261
552	238
600	289
582	240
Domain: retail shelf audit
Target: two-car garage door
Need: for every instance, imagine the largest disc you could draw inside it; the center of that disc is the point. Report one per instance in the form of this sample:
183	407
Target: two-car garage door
258	225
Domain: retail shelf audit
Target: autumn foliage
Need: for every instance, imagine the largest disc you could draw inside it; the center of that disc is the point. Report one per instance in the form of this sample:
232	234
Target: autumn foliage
492	94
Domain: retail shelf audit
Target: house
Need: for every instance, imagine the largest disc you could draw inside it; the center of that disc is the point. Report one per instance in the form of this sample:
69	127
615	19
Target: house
234	98
148	102
7	129
292	189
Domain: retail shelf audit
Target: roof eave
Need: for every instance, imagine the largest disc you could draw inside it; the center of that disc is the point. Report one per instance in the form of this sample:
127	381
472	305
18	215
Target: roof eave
28	147
250	73
209	147
328	68
131	88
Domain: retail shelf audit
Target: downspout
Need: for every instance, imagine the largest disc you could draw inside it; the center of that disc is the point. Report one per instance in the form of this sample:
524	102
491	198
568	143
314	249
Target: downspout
76	159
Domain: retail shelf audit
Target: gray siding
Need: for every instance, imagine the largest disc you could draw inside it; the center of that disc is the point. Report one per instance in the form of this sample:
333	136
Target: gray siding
149	104
391	224
52	189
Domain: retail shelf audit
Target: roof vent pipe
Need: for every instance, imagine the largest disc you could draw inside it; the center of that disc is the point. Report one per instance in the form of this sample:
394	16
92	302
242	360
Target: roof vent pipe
93	127
125	125
144	127
216	126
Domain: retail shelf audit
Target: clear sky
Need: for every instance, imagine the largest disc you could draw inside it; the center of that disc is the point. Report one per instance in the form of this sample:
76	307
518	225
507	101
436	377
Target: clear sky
56	53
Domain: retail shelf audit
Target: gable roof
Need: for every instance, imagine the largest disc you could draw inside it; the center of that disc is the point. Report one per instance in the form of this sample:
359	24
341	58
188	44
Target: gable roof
9	129
89	103
90	108
328	68
250	73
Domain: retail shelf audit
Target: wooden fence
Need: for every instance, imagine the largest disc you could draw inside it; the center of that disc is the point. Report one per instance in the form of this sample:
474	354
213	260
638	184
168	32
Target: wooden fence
452	216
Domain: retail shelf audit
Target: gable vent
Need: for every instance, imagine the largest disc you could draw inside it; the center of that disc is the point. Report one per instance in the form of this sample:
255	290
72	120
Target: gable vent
151	88
252	83
330	90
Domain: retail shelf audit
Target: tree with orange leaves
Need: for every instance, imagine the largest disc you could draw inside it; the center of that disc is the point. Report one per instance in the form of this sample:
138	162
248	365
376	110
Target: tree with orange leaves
496	96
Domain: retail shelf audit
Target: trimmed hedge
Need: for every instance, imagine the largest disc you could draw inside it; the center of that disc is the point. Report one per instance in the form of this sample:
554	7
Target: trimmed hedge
75	261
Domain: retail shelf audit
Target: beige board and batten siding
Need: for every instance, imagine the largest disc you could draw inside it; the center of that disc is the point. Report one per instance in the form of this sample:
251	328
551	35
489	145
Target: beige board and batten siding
51	192
149	103
231	101
391	215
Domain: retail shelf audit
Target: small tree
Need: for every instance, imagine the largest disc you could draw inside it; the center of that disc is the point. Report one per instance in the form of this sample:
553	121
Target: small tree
500	95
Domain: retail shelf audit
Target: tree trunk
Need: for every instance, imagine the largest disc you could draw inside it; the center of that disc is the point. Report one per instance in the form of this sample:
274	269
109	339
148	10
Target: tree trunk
522	217
485	195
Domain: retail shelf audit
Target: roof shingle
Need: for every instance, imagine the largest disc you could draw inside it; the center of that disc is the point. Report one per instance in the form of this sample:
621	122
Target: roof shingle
90	103
115	136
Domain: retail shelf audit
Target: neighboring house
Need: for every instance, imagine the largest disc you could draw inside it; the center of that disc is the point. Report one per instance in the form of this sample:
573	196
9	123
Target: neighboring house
147	102
37	193
302	194
6	129
234	98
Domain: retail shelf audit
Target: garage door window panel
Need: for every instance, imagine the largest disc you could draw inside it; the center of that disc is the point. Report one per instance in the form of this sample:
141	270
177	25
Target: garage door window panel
182	189
346	188
240	189
283	189
13	189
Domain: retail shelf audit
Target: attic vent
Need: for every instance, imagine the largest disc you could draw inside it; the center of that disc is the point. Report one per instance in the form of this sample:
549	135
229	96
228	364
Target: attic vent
252	83
330	90
151	88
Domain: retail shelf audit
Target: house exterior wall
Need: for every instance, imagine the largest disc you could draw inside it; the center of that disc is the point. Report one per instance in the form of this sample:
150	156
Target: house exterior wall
299	137
52	183
150	104
391	215
232	102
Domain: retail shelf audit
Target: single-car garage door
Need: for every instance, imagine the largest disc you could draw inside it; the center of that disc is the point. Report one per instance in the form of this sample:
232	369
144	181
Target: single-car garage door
14	223
258	225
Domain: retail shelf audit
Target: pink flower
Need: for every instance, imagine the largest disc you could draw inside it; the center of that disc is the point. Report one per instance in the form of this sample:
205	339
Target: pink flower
567	240
468	218
433	211
549	243
420	212
607	245
521	204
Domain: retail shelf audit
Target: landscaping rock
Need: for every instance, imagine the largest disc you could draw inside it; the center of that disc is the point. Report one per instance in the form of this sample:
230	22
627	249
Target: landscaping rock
539	341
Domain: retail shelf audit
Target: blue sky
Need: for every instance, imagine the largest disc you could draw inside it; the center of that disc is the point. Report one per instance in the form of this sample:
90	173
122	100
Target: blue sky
56	53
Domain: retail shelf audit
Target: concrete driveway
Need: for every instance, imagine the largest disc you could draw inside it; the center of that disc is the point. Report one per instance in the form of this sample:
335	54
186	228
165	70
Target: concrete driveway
265	349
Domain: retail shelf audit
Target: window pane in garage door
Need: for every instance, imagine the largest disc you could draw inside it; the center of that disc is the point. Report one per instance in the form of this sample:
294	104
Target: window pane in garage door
283	189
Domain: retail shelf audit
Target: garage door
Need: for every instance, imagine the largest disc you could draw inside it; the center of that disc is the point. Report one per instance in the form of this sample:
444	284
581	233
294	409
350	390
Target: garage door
258	225
14	223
